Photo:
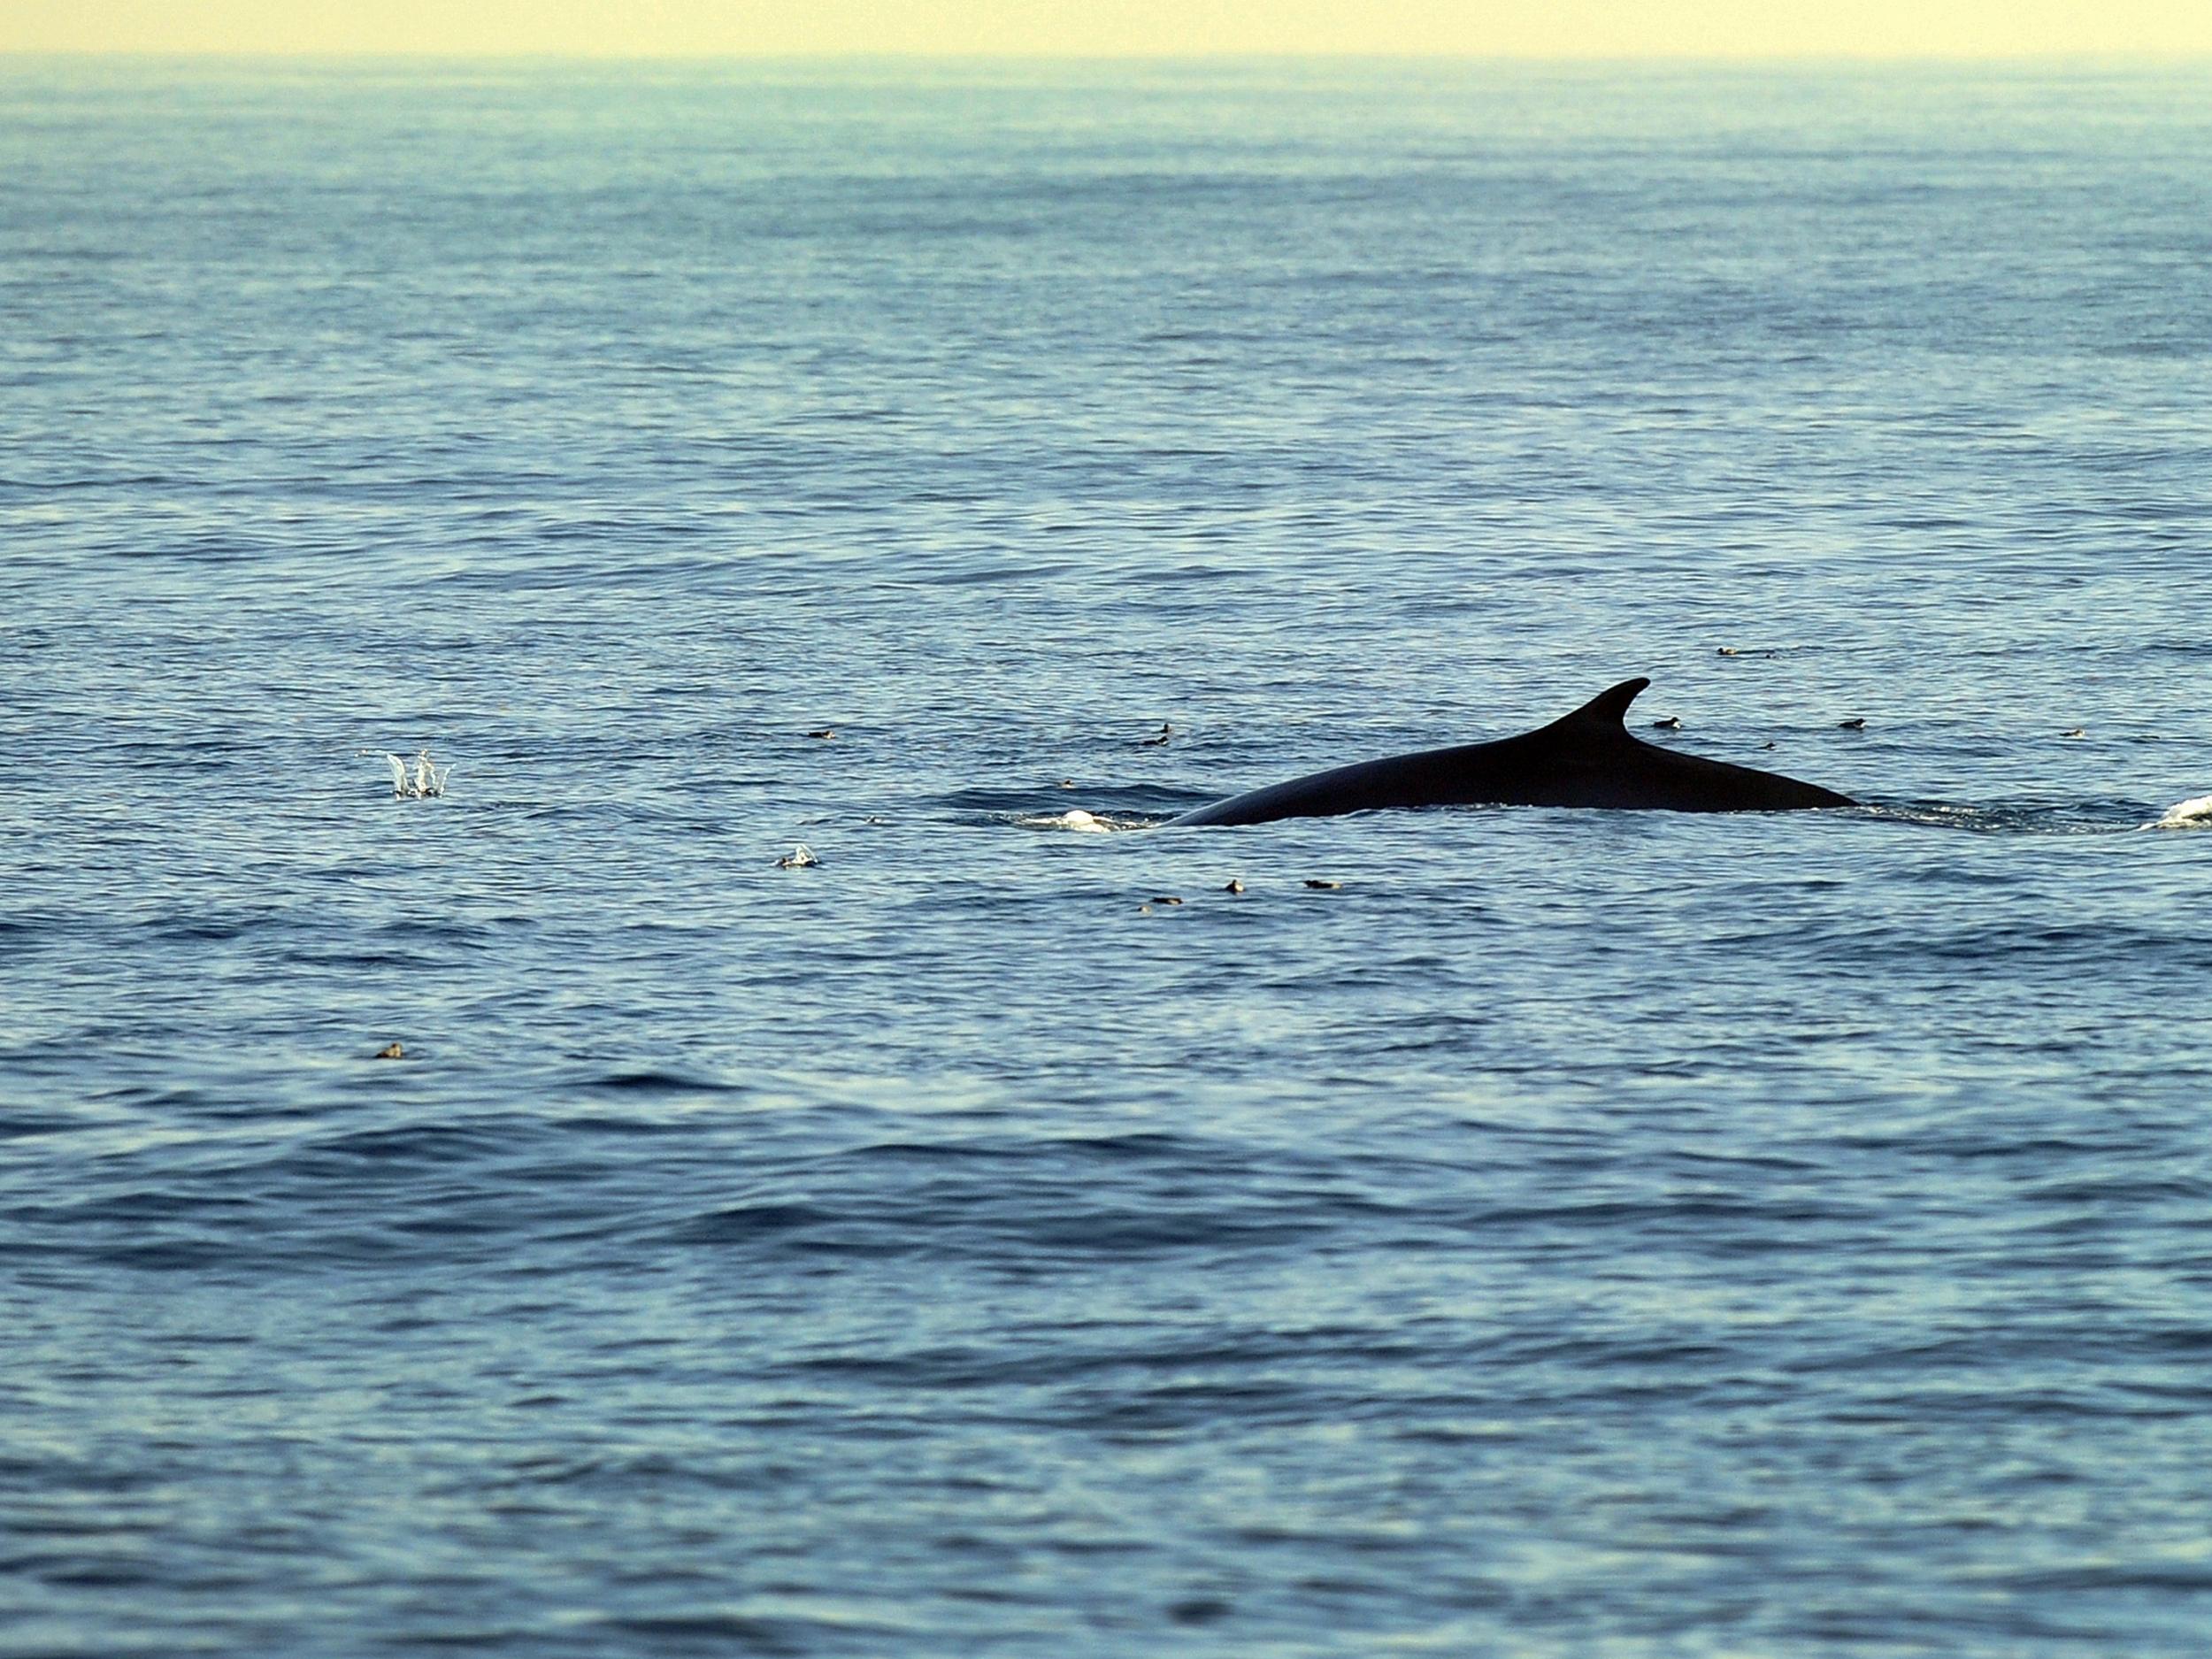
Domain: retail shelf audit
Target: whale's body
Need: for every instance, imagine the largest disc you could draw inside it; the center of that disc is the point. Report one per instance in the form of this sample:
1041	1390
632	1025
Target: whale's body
1585	759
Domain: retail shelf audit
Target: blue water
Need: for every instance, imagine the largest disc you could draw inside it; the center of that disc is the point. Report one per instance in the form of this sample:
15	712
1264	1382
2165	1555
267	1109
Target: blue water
1575	1233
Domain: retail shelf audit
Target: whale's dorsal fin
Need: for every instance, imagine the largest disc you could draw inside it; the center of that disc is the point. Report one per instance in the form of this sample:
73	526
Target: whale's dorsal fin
1605	710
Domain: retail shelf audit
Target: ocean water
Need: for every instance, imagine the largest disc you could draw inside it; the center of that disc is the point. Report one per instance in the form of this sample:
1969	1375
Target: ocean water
1574	1233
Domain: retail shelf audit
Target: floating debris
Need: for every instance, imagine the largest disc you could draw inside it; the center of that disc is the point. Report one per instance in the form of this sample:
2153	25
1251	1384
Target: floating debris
391	1051
800	858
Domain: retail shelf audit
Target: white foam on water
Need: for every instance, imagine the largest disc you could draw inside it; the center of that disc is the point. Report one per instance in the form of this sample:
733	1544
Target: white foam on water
1075	819
2194	813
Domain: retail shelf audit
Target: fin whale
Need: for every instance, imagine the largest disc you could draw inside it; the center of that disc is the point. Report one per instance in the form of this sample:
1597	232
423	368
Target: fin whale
1584	759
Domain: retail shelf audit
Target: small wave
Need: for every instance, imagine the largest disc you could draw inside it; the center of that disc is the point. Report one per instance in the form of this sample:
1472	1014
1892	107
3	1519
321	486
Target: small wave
2194	813
653	1080
746	1222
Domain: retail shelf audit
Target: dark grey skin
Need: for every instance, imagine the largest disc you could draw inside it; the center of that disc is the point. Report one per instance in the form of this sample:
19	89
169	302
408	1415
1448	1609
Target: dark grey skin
1586	759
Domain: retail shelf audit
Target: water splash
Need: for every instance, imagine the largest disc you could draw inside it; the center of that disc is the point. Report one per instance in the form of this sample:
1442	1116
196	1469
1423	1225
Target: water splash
1075	819
419	782
2194	813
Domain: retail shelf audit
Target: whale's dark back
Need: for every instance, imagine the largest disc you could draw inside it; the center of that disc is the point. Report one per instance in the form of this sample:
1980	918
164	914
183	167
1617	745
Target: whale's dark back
1586	759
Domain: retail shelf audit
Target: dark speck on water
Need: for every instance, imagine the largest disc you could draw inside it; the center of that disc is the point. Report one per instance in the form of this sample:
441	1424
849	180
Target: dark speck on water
1618	1233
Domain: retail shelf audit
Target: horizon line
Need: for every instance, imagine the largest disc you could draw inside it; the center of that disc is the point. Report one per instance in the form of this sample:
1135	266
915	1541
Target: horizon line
890	55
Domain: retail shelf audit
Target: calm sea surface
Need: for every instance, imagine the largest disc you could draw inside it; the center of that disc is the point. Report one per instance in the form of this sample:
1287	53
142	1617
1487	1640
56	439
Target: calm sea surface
1574	1234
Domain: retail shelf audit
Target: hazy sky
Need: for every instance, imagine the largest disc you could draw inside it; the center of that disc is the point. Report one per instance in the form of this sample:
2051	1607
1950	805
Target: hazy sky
1516	27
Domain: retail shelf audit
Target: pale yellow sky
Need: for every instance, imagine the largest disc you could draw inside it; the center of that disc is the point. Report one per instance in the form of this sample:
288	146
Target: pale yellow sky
1545	28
